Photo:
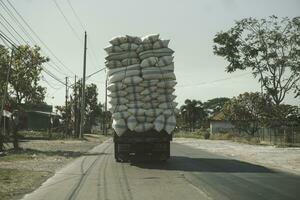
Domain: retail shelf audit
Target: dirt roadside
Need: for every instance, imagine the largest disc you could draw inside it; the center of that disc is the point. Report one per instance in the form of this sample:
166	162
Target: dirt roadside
22	172
284	159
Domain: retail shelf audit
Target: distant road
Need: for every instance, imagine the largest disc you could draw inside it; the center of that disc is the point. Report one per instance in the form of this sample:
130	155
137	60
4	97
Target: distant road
189	174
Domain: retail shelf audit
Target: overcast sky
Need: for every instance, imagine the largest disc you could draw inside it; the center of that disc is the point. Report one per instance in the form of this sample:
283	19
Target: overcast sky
190	25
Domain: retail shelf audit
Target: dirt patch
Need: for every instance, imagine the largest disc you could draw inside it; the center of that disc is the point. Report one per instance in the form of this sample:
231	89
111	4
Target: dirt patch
23	171
285	159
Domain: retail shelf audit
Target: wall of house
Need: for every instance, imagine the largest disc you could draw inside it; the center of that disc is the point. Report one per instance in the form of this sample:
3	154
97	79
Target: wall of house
220	126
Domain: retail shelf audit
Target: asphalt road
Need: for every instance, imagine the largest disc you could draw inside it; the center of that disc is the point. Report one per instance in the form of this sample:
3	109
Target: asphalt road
189	174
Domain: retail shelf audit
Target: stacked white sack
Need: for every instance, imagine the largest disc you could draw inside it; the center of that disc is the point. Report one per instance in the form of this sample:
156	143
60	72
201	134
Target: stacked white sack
141	84
157	68
123	76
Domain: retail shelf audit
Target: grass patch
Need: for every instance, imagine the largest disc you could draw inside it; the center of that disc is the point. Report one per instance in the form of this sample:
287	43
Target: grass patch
40	135
198	134
10	157
14	183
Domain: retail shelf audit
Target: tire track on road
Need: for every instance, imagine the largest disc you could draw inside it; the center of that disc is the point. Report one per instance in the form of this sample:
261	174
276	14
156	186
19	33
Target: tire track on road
102	173
83	177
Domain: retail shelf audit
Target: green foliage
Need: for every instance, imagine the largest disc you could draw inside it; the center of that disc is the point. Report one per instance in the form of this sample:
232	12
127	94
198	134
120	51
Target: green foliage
199	134
268	47
24	76
215	105
247	111
192	113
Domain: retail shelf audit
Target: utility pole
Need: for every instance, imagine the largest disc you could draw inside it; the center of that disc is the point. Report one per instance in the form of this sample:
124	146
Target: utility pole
105	108
66	108
83	91
75	108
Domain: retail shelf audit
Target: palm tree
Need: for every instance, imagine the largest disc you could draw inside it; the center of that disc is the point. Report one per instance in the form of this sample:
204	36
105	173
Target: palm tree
192	112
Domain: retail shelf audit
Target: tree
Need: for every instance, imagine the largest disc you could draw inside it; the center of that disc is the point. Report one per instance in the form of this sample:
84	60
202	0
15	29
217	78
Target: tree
283	115
192	112
248	111
215	105
268	47
93	109
25	75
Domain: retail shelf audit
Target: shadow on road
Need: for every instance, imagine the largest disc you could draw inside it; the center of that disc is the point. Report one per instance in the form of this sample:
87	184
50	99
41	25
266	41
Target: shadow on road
189	164
64	153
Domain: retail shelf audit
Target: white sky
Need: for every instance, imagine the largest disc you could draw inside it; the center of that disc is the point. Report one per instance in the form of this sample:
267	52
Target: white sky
190	25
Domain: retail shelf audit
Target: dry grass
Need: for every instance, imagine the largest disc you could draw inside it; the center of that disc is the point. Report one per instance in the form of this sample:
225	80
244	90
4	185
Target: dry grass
24	170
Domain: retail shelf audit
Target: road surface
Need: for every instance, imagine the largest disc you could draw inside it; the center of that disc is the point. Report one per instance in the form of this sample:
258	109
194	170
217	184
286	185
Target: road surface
189	174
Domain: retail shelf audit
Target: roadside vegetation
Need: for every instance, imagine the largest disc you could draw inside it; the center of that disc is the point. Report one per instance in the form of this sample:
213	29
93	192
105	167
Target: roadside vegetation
268	48
23	170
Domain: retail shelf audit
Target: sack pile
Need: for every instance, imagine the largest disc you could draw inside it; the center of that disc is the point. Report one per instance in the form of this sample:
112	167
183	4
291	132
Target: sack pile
141	83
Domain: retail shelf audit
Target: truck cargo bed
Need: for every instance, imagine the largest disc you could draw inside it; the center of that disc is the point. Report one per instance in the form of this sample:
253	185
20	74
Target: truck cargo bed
150	145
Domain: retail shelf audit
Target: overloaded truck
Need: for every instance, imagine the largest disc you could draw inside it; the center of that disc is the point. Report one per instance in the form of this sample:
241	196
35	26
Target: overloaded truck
141	82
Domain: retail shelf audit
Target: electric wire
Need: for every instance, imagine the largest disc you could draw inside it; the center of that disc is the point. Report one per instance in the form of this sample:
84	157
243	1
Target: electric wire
3	35
35	34
66	20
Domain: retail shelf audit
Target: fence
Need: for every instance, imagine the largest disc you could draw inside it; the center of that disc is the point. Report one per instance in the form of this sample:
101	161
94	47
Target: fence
280	135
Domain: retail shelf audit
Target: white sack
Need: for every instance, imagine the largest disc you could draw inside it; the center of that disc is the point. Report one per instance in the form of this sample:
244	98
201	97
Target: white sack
132	80
119	126
150	38
168	105
170	124
130	67
112	49
118	40
165	60
134	89
161	44
136	111
165	90
166	84
131	123
113	64
118	101
115	86
144	118
150	105
159	123
130	61
121	115
143	127
149	83
149	62
134	97
117	94
166	98
119	76
155	53
135	104
121	55
129	46
153	112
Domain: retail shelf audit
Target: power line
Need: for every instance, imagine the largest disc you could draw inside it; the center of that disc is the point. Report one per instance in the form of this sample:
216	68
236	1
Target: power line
9	32
34	33
12	28
214	81
66	19
77	17
91	56
15	46
96	72
12	16
9	12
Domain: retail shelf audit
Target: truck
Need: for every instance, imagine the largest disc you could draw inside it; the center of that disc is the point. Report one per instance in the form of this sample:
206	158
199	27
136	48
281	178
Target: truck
150	145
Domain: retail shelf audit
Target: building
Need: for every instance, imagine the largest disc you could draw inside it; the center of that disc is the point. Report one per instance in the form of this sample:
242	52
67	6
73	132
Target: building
219	124
37	117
